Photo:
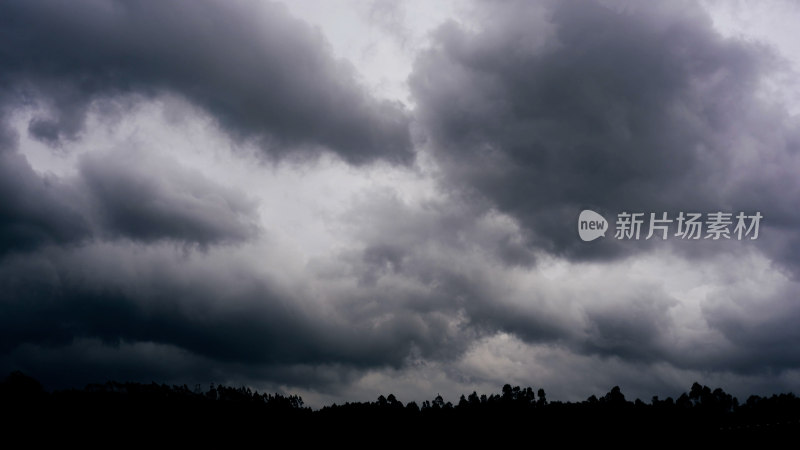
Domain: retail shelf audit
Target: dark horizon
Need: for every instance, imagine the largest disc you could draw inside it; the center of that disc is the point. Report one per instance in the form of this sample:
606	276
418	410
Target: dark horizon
174	411
18	383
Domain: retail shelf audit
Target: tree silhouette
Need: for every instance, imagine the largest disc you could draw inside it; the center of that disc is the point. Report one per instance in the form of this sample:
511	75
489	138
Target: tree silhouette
114	406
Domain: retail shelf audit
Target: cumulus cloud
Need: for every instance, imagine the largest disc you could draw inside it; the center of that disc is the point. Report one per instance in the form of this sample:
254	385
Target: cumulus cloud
262	73
36	210
129	194
550	108
148	197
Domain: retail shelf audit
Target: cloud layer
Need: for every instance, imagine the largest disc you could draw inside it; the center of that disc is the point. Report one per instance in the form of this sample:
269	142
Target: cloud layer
263	74
198	191
631	108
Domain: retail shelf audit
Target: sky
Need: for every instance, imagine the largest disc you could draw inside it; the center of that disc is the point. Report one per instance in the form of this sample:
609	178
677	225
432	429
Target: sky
354	198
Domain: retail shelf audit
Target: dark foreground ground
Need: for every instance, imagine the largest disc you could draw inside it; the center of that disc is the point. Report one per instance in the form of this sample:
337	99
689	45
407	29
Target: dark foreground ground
119	413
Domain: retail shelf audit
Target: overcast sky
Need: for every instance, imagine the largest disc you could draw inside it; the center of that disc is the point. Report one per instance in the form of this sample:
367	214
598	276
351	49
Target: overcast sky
348	199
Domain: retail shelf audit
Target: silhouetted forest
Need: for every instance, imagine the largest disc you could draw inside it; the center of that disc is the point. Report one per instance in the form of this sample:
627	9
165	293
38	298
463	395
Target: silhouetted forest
118	408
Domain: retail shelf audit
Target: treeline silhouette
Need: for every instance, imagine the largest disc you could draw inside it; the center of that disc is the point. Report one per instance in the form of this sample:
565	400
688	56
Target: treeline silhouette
114	408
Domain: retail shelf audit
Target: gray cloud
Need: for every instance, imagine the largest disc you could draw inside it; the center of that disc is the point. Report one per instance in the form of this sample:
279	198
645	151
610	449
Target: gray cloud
118	195
124	294
758	325
151	198
127	194
390	17
550	109
452	249
260	72
36	210
136	258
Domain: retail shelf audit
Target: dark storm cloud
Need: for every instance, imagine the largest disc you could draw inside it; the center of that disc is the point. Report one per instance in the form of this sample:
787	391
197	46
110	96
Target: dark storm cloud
636	327
126	295
261	73
759	326
36	210
554	108
93	266
152	198
118	195
391	231
451	249
460	250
